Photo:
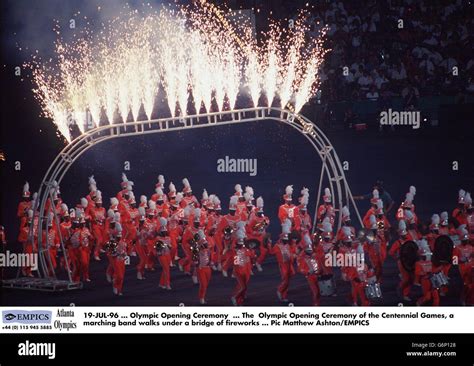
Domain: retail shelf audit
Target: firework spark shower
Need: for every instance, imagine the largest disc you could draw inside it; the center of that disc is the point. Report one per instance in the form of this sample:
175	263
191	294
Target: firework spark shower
199	60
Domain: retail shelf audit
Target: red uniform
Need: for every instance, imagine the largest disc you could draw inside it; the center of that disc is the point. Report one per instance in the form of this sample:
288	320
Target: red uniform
98	231
285	254
80	250
164	257
242	264
23	208
377	251
189	200
51	242
256	231
175	231
423	271
288	211
142	248
310	267
187	261
203	266
118	261
225	242
463	253
359	278
407	277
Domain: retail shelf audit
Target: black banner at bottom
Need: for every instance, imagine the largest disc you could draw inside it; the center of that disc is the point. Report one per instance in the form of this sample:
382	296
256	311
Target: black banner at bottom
420	348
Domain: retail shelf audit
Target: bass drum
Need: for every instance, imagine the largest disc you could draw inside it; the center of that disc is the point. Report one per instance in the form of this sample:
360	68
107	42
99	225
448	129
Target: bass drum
443	250
252	243
295	235
409	255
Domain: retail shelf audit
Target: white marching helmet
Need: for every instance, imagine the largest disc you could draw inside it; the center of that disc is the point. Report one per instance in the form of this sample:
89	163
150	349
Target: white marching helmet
288	196
260	204
233	202
346	216
327	197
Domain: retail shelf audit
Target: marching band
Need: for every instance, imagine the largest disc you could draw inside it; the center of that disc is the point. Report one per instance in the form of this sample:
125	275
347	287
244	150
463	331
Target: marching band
178	230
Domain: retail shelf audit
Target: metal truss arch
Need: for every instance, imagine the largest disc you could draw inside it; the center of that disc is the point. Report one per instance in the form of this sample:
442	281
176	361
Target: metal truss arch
332	173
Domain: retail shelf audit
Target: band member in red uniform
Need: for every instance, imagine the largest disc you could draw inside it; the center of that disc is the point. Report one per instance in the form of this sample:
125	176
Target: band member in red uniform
288	210
407	277
242	266
462	256
162	247
309	265
459	213
26	240
142	242
114	204
360	276
51	241
373	246
256	229
470	217
189	198
411	221
373	208
159	189
97	213
189	238
285	254
445	227
326	209
85	248
119	259
325	246
304	224
175	228
424	269
348	249
92	191
171	192
226	232
240	205
25	204
407	205
434	231
203	262
346	222
153	226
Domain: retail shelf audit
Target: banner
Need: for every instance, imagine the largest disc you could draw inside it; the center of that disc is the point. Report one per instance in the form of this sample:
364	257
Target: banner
235	320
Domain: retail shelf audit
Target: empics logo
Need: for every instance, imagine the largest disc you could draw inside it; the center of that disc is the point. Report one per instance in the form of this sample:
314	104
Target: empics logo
27	317
37	349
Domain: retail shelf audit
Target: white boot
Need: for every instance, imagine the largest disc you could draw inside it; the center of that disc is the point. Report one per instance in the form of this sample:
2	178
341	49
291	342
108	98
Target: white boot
109	278
195	280
259	267
224	273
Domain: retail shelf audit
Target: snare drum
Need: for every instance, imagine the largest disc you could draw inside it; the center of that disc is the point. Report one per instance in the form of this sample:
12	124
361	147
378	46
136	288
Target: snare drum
327	285
439	280
373	291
